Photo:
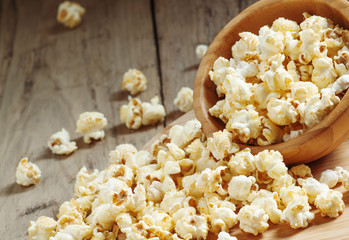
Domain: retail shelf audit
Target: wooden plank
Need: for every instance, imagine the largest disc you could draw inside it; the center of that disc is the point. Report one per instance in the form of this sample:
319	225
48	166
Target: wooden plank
181	26
53	75
246	3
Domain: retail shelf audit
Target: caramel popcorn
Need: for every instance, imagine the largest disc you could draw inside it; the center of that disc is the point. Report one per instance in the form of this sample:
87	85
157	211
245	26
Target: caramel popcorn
60	143
184	99
91	124
70	13
27	173
281	82
134	81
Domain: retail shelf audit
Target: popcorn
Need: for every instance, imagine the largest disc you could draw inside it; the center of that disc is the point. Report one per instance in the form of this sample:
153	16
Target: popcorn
70	13
253	219
184	99
192	226
270	42
60	143
341	84
103	215
270	162
225	236
74	231
300	91
340	173
220	145
152	112
329	177
122	154
173	201
134	81
281	112
323	72
292	193
283	181
43	228
241	186
91	124
268	201
124	221
300	171
131	114
284	25
246	48
341	61
271	133
200	50
316	23
209	181
330	203
312	187
27	173
183	135
136	113
297	213
345	179
87	183
242	163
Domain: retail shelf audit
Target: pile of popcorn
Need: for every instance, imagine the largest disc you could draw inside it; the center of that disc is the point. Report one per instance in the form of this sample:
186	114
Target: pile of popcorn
187	186
281	83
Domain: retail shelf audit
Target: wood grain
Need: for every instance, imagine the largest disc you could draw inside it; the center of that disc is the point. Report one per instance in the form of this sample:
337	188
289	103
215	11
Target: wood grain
330	132
49	75
320	228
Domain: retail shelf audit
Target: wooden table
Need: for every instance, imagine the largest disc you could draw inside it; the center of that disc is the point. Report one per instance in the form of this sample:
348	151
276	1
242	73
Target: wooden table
50	74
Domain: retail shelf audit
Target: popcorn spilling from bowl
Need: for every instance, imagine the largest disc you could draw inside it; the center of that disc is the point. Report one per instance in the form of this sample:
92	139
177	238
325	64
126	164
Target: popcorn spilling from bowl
282	82
187	186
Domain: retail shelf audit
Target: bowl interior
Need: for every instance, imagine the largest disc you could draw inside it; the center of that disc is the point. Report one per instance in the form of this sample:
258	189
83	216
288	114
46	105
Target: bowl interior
252	19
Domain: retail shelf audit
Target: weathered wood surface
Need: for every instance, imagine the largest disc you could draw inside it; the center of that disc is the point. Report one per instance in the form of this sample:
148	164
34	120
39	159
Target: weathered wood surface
50	74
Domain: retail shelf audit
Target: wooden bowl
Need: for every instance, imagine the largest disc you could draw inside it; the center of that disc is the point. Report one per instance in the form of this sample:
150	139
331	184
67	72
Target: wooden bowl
316	142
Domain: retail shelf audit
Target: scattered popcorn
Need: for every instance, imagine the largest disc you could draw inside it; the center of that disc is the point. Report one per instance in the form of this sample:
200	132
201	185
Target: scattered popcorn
329	177
136	113
91	124
186	187
60	143
43	228
282	82
27	173
184	99
200	50
134	81
70	13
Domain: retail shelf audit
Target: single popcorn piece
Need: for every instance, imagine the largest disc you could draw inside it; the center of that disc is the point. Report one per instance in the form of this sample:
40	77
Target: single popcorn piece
192	226
74	231
341	84
324	72
246	48
209	181
242	163
183	135
241	186
268	201
70	13
200	50
225	236
345	179
341	61
91	124
27	173
284	25
152	112
43	228
271	162
253	219
134	81
184	99
297	213
221	145
330	203
329	177
60	143
300	171
281	112
313	187
284	181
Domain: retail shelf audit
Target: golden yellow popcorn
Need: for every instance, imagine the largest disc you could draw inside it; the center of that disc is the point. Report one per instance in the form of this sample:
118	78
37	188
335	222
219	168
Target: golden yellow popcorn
271	162
209	181
27	173
134	81
70	13
91	124
184	99
60	143
200	50
192	226
253	219
323	72
330	203
43	228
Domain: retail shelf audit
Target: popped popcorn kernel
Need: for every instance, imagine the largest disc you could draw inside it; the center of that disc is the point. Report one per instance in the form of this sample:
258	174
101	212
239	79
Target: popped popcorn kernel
184	99
221	145
253	219
134	81
297	213
70	13
330	203
27	173
300	171
200	50
329	177
91	124
241	186
43	228
60	143
225	236
152	112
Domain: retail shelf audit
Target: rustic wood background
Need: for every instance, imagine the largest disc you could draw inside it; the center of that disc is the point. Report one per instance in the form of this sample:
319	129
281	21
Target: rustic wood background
50	74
